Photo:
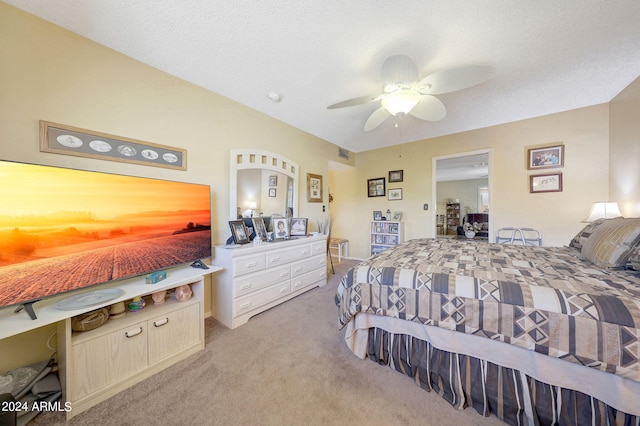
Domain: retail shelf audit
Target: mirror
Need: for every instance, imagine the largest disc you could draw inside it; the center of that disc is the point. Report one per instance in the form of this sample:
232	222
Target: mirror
263	192
262	182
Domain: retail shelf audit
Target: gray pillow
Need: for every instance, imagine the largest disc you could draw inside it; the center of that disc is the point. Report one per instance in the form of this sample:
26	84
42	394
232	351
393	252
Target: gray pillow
578	241
612	242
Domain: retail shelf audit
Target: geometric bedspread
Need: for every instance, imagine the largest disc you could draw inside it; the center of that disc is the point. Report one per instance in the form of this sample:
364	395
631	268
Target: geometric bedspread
543	299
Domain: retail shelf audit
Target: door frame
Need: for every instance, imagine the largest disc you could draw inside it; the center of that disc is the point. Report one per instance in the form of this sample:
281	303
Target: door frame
434	184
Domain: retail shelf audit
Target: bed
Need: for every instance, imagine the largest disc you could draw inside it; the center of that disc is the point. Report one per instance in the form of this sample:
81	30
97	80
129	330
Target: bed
534	335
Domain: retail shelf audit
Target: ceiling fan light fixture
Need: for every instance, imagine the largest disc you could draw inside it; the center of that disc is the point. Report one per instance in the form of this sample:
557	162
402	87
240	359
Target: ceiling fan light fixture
401	102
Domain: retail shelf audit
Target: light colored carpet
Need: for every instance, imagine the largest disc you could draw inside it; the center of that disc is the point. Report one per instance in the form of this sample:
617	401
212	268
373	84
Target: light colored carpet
286	366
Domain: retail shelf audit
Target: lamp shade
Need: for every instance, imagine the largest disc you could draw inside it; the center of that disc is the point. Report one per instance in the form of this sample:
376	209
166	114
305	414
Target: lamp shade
602	210
401	102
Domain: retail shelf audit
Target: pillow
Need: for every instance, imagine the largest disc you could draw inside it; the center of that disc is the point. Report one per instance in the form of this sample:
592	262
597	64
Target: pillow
578	241
612	242
634	258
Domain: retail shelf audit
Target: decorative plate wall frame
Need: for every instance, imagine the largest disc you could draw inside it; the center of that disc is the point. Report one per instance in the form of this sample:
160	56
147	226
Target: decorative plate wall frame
62	139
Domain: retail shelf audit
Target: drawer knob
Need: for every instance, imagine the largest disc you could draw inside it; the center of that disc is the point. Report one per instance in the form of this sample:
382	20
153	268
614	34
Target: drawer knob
284	274
245	286
252	264
128	334
161	322
284	290
275	259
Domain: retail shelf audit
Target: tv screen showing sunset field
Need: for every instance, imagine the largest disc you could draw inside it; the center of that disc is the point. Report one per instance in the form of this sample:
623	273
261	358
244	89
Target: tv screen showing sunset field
64	229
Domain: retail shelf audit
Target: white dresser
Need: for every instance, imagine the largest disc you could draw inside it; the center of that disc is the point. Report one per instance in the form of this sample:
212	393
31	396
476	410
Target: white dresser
256	278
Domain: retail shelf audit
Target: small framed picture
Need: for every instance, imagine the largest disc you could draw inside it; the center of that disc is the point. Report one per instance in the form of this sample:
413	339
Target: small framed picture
545	158
314	188
273	180
395	194
377	215
397	216
259	228
298	227
239	232
396	175
280	228
272	192
376	187
551	182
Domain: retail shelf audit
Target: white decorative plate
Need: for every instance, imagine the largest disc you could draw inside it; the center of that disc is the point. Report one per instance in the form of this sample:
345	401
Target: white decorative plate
149	154
69	141
127	151
100	146
169	157
91	298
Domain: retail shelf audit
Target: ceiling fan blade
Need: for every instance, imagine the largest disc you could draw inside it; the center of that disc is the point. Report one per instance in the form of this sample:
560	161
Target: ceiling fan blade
377	118
429	108
356	101
454	79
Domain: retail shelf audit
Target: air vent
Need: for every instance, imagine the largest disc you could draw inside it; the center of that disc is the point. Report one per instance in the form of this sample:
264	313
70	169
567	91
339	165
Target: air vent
343	153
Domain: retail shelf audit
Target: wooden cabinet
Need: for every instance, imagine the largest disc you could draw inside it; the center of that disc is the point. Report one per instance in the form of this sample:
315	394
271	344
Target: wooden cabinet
385	234
256	278
453	218
97	364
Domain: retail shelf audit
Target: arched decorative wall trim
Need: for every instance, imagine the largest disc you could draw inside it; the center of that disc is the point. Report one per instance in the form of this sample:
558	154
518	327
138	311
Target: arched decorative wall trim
242	159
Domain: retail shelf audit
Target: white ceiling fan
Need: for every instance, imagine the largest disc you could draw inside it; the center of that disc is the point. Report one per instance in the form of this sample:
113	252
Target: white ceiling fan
402	92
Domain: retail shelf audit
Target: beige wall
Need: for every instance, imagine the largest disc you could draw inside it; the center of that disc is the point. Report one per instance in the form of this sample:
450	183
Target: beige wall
584	132
51	74
624	161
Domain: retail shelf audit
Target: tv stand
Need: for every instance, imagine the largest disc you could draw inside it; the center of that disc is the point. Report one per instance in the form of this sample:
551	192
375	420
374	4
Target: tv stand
28	307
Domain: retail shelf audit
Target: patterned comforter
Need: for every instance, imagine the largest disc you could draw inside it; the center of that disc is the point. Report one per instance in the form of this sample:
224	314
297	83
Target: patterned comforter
540	298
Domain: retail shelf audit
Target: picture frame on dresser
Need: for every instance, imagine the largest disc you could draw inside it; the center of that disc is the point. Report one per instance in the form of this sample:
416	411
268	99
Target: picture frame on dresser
239	232
280	228
259	227
299	227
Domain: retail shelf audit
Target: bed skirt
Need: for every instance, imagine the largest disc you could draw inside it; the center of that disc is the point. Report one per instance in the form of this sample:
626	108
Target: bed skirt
468	381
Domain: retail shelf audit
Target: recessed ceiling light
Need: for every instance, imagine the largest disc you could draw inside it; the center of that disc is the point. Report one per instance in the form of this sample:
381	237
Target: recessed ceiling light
273	96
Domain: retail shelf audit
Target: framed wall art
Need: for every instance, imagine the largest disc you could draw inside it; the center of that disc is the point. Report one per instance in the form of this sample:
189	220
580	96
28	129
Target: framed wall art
62	139
395	194
272	192
273	180
314	188
546	157
396	176
376	187
551	182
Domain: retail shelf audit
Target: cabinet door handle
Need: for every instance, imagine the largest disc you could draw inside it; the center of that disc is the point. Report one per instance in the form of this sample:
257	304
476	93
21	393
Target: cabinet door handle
133	333
161	322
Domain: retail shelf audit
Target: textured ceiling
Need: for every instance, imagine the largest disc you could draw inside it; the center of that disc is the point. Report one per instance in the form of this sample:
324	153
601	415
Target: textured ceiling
550	55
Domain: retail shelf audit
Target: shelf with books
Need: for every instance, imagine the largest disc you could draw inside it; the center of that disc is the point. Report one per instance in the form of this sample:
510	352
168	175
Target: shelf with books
385	234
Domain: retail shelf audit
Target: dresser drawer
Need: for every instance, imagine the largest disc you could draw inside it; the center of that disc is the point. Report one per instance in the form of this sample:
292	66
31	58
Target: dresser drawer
305	280
304	266
319	247
247	264
250	283
279	257
262	297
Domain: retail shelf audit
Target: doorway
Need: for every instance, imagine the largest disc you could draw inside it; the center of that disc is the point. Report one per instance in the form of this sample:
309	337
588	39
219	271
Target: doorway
463	183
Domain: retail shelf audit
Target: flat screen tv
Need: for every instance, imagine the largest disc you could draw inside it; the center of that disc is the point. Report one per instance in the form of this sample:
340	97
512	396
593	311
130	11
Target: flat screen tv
65	229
